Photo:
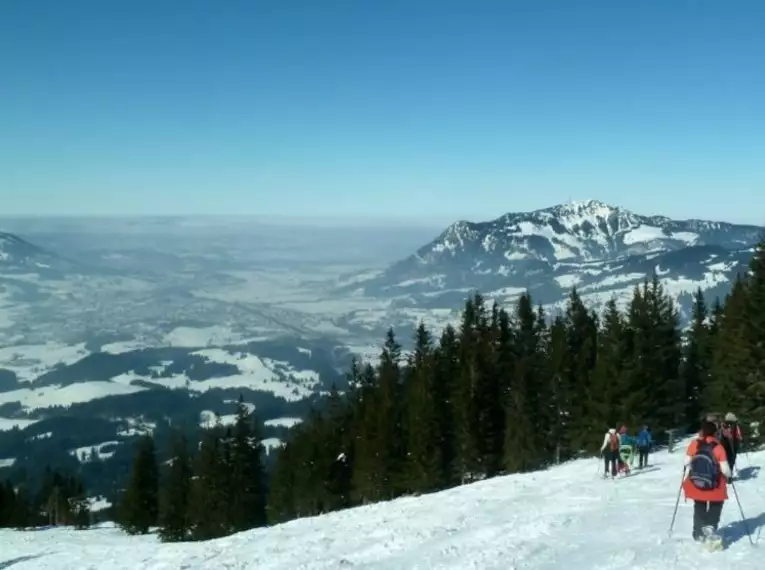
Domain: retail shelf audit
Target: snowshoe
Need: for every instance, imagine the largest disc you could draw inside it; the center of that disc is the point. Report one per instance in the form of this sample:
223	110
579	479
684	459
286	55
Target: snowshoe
711	540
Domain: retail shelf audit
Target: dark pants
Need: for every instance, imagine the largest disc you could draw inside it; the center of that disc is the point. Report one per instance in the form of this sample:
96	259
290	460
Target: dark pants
642	457
705	514
612	458
731	451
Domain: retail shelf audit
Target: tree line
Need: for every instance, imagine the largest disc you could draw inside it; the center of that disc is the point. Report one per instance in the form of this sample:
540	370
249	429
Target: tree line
61	499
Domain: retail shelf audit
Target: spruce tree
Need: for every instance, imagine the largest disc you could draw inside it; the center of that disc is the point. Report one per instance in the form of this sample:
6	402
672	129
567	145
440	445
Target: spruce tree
423	459
247	478
139	507
697	361
446	364
607	390
582	340
468	460
727	387
209	493
523	446
755	336
175	493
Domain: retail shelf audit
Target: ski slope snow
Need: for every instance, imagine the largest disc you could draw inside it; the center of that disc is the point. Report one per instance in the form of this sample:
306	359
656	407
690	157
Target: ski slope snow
565	518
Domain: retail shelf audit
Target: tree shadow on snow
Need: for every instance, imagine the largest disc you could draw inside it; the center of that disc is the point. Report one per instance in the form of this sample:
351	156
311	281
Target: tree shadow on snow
8	563
750	472
736	531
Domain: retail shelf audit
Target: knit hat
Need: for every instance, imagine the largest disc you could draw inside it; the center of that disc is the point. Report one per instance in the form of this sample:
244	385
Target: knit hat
730	417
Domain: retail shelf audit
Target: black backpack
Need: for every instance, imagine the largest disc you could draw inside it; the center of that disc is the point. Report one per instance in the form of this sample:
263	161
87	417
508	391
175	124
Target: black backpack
704	469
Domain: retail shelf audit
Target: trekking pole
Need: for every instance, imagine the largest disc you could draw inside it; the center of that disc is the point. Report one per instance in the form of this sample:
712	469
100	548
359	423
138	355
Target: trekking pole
677	503
743	517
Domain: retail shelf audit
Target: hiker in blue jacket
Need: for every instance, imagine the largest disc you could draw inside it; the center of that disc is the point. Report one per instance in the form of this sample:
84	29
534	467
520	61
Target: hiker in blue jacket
644	441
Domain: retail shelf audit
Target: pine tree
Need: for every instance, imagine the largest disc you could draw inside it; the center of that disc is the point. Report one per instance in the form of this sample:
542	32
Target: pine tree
446	364
755	336
175	493
389	419
423	459
79	506
608	376
247	478
7	504
366	482
139	507
338	450
468	460
729	380
281	493
697	361
582	340
523	447
209	504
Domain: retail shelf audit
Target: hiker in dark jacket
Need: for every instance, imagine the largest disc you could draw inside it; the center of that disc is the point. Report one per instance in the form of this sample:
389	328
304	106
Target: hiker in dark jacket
644	442
730	437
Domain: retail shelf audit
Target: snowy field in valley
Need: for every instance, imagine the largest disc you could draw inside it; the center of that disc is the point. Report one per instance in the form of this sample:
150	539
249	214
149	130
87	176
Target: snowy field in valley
566	518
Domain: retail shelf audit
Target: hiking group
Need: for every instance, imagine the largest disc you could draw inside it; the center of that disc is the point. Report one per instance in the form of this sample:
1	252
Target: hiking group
708	467
620	448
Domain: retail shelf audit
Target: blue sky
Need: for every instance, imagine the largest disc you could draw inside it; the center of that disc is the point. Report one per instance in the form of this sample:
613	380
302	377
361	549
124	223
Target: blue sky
431	110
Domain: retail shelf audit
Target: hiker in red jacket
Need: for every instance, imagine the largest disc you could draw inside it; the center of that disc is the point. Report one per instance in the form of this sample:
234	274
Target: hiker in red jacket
706	482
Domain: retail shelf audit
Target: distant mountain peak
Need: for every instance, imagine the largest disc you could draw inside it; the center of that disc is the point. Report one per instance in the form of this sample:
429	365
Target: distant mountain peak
601	248
584	207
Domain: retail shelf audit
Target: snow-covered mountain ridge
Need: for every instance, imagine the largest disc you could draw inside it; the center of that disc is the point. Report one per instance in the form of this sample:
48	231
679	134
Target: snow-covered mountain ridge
565	518
603	250
581	231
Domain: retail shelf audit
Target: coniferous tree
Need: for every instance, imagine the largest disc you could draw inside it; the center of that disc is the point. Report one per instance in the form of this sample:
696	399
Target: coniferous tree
729	380
697	361
468	461
209	493
338	451
247	478
139	507
79	506
582	331
446	364
389	419
523	449
755	335
608	376
175	493
366	483
423	459
7	504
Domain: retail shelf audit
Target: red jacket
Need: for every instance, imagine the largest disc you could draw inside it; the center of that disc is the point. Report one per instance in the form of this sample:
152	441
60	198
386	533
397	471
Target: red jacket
719	493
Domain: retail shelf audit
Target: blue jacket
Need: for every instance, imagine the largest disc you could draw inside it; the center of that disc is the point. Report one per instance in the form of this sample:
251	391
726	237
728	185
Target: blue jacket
644	439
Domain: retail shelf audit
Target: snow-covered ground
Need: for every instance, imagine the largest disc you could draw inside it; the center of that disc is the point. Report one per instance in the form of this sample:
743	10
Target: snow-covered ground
567	518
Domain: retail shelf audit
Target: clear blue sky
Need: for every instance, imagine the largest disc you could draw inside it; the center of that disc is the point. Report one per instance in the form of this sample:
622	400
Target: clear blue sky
389	108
